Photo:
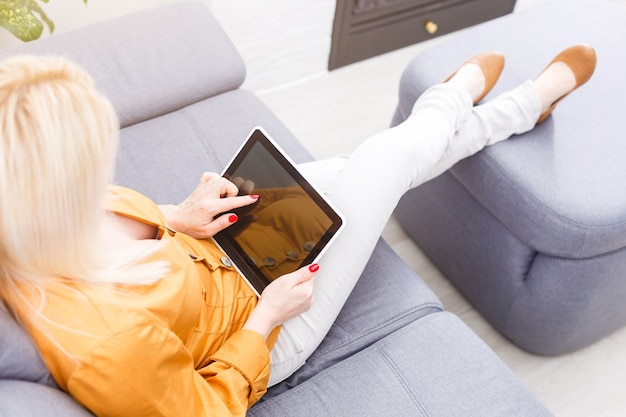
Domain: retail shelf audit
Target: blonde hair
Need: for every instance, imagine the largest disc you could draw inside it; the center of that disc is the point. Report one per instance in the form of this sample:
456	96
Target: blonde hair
58	140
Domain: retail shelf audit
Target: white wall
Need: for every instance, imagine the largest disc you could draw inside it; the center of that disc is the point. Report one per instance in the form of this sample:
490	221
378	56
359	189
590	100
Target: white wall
72	14
281	41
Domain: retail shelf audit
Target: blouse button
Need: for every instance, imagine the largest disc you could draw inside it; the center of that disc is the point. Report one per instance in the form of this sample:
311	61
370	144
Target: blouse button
226	261
269	262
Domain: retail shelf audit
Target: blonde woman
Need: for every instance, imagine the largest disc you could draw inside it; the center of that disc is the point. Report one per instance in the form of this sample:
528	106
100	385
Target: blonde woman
128	302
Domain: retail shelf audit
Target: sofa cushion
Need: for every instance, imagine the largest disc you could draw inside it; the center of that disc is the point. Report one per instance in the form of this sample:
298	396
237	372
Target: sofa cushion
158	61
568	171
434	366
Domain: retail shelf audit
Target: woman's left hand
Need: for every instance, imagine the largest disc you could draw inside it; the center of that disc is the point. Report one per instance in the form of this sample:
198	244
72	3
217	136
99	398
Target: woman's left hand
196	216
284	298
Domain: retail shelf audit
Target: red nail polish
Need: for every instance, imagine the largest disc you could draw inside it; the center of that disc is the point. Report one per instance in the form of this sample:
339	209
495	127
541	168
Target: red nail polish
254	196
233	218
314	267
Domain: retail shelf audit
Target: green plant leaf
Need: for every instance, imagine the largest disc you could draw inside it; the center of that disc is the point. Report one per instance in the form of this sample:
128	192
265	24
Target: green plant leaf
17	17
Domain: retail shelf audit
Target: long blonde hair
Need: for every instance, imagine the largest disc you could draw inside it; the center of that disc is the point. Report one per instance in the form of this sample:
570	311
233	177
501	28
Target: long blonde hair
58	139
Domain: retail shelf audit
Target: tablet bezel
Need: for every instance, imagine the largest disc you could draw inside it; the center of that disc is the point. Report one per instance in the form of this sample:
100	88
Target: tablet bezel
226	241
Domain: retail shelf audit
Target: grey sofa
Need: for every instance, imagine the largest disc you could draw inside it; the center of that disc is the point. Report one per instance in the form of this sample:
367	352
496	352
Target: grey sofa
533	230
174	77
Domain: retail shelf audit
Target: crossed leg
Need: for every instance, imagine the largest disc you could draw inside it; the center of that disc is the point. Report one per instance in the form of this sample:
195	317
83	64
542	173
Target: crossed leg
444	128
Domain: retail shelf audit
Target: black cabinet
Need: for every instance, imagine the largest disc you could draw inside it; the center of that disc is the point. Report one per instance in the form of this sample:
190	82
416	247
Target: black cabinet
366	28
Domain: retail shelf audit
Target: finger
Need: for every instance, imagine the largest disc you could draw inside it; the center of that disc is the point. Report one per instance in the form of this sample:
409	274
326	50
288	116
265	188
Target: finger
228	188
306	288
219	185
207	176
220	223
306	274
231	203
227	220
306	291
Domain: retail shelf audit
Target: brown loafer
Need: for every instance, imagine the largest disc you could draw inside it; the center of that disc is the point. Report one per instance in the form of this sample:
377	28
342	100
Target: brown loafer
581	59
491	64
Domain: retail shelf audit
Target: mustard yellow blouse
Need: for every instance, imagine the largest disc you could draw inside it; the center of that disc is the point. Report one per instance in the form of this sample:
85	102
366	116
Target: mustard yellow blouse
175	348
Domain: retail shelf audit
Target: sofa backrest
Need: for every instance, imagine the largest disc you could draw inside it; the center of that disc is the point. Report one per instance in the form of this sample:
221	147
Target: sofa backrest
148	76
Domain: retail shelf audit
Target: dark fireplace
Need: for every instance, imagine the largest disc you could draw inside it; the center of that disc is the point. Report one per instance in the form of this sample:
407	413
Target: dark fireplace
366	28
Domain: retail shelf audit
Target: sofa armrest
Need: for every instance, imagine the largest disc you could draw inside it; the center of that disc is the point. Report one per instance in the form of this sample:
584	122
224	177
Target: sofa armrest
151	62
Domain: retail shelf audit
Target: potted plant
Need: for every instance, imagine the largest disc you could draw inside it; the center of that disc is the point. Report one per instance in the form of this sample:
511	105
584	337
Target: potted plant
20	18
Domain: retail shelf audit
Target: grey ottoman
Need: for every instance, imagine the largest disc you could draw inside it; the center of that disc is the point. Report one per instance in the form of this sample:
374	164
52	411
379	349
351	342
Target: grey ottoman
533	230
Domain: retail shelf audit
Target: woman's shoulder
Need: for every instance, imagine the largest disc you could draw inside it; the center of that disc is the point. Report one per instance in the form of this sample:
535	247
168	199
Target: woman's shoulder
134	204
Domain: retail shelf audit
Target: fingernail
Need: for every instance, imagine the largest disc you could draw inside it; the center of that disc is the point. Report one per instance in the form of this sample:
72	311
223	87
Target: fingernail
254	196
233	218
314	267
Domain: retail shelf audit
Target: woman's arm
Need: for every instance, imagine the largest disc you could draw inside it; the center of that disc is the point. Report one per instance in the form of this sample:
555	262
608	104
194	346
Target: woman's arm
148	371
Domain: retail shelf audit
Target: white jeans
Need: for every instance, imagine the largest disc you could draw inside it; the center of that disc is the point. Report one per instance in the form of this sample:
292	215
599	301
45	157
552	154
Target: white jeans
366	186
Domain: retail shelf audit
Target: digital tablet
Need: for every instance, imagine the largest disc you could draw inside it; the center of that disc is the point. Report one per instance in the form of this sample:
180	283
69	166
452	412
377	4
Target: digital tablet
289	226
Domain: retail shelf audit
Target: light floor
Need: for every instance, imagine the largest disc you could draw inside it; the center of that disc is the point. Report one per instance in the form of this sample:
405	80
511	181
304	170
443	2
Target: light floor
285	46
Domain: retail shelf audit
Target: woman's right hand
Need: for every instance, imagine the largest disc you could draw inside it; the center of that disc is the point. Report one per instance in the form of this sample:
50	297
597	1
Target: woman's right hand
283	299
199	216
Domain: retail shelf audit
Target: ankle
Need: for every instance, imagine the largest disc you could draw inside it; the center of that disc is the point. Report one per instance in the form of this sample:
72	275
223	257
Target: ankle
471	78
553	83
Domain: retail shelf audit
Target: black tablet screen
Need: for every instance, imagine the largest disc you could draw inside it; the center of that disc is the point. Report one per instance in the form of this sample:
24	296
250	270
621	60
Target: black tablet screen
290	224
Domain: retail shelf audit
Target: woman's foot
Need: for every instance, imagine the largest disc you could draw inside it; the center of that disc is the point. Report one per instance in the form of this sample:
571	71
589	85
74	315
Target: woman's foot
565	73
479	74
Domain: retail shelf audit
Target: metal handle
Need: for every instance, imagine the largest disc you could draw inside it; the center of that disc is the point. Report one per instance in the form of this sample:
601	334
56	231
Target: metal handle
431	27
